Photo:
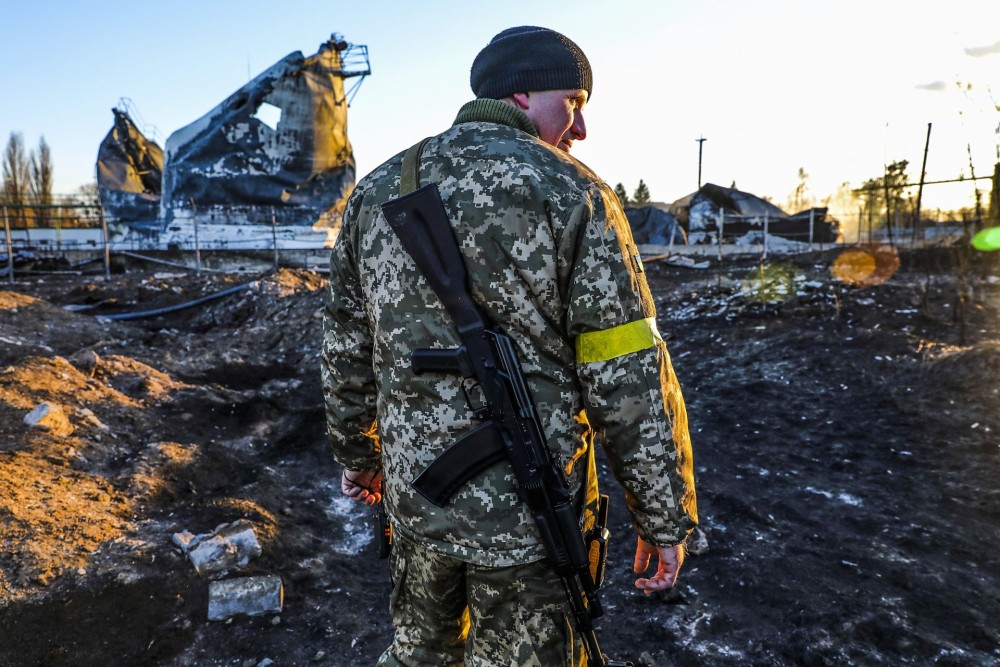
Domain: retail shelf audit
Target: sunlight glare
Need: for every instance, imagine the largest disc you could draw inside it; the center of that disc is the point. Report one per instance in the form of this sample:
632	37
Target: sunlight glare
865	266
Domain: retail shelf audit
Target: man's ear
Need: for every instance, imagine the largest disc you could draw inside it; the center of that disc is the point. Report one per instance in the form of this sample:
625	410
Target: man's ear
521	100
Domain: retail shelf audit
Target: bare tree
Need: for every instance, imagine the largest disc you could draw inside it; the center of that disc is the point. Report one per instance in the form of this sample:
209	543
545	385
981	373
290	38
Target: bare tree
41	182
16	176
800	200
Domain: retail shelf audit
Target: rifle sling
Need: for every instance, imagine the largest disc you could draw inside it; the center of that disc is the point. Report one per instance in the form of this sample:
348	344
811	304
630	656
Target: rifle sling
409	178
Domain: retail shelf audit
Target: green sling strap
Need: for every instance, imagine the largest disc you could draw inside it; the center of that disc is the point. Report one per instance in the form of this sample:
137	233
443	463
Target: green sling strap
409	179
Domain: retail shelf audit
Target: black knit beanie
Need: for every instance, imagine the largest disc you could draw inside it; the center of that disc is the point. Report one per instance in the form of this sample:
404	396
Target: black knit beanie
529	58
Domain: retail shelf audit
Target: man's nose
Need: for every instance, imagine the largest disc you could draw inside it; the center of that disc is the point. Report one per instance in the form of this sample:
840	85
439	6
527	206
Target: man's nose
579	127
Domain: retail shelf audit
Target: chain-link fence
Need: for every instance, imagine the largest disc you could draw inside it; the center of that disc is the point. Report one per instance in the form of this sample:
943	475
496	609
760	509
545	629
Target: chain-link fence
73	236
53	235
763	235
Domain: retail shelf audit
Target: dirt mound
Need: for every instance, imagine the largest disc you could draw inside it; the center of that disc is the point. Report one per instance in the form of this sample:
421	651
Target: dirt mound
52	519
973	370
33	326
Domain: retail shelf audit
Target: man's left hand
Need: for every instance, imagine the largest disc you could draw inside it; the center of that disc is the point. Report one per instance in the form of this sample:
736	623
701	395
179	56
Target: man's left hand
670	561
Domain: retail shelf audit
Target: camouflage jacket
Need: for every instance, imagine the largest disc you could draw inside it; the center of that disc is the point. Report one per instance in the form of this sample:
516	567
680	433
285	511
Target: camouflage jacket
551	260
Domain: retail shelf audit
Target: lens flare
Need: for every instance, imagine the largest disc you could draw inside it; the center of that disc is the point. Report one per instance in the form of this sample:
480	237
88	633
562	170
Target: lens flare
987	239
865	266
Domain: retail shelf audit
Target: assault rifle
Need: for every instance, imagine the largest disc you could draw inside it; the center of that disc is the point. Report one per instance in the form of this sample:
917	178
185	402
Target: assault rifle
510	427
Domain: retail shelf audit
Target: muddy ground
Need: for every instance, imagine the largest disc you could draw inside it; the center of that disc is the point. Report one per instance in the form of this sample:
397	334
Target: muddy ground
847	450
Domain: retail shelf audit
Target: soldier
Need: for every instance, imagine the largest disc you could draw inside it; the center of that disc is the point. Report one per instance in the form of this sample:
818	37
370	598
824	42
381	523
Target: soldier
551	260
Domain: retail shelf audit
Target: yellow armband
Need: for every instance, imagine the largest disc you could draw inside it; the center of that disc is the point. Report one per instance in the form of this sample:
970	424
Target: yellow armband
616	341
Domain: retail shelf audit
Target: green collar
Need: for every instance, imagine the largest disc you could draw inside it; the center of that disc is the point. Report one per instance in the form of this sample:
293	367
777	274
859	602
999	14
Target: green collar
494	111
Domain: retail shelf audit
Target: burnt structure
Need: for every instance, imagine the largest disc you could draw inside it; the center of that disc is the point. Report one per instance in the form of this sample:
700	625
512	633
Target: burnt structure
746	216
271	164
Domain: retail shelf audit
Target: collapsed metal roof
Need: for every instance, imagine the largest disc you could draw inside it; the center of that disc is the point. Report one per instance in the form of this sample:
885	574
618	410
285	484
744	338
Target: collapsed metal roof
274	153
129	171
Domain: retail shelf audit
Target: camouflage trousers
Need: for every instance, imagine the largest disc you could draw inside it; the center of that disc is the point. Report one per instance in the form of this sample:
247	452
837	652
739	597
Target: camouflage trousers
447	613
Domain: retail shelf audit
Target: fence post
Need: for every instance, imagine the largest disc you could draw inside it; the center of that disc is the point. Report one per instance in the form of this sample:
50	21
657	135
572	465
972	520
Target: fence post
197	245
722	223
107	244
767	221
812	221
10	248
274	239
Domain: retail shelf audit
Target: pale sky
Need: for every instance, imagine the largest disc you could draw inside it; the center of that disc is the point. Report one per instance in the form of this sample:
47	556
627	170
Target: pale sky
836	87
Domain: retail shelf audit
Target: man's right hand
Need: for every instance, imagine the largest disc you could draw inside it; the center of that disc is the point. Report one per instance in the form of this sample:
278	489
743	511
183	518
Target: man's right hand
362	486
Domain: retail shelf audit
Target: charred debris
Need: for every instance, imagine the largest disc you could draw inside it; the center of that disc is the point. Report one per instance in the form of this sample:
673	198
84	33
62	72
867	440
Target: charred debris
272	163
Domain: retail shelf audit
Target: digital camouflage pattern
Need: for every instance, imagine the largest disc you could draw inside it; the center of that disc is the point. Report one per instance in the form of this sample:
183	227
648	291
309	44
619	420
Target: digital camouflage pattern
433	595
550	256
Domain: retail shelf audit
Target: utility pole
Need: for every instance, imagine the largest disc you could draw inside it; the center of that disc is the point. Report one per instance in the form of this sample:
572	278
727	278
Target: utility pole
701	141
923	177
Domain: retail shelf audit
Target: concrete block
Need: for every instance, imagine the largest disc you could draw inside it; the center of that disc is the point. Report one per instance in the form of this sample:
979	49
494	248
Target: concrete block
229	545
250	596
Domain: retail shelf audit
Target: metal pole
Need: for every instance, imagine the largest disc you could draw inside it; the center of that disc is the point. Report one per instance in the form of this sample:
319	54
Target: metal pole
10	248
812	222
722	216
197	245
722	222
274	239
107	244
701	141
888	204
58	225
920	188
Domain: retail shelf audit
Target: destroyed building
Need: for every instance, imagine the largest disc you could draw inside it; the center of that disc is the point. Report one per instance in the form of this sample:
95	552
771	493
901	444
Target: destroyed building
270	165
747	217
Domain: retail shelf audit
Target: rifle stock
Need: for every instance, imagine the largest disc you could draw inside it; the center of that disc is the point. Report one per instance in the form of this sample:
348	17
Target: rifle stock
420	222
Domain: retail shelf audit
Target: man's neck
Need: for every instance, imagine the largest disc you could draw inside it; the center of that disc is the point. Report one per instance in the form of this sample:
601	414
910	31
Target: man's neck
496	111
